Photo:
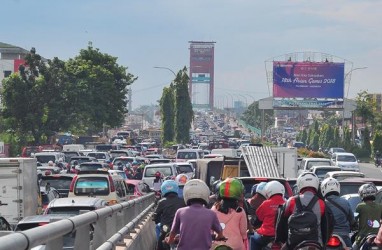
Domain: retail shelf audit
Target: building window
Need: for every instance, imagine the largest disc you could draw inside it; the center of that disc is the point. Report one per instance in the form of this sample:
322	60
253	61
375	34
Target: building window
7	73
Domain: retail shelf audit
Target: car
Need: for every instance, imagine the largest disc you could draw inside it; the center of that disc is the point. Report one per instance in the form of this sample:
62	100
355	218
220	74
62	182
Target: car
353	200
124	161
248	182
45	157
81	159
307	163
331	151
74	205
100	156
351	185
341	175
162	160
346	161
118	172
168	170
188	154
136	188
117	153
321	171
61	182
102	184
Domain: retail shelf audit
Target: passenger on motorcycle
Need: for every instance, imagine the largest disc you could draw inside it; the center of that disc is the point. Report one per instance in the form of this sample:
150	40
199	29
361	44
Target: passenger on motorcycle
369	213
257	198
181	179
231	216
307	184
266	213
157	182
166	209
342	213
195	222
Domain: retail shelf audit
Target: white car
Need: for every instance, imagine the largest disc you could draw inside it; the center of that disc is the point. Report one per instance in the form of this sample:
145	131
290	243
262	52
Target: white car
346	161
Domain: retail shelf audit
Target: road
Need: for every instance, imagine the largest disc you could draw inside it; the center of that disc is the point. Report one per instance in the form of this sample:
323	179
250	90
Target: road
370	170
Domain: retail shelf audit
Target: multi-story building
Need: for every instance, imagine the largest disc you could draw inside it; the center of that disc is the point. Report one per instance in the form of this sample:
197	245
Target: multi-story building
10	60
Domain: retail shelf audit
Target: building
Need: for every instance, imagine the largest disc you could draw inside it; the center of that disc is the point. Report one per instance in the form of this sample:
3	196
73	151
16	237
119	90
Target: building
377	98
10	60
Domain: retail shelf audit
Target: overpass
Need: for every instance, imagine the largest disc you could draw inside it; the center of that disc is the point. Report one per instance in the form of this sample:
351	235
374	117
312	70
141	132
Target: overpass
127	225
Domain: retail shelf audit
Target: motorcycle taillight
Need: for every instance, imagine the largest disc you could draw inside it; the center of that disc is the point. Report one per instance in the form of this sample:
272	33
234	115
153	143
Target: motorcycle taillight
333	242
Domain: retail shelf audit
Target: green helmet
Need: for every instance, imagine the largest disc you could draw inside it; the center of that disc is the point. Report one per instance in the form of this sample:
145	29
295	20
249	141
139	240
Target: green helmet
231	188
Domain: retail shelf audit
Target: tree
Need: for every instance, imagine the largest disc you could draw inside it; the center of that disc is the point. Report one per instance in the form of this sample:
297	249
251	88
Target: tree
366	141
364	107
183	112
100	85
167	108
252	116
377	141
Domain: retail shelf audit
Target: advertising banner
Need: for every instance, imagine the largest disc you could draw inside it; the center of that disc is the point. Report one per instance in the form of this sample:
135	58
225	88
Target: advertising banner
308	80
291	103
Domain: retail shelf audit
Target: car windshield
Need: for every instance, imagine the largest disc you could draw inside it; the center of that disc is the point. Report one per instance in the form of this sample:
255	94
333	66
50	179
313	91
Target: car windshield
346	158
92	185
184	169
45	158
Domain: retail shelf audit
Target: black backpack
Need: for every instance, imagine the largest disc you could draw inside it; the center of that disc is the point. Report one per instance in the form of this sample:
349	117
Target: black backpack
302	224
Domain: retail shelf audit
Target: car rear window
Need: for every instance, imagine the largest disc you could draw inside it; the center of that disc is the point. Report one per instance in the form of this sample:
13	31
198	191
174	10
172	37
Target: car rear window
68	210
45	158
184	169
92	185
165	171
89	167
318	163
322	172
346	158
58	183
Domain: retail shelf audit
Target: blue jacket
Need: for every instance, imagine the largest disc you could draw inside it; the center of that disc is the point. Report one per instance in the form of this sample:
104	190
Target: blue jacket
341	220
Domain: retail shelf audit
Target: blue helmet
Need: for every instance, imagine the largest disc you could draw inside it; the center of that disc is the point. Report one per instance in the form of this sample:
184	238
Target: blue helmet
169	186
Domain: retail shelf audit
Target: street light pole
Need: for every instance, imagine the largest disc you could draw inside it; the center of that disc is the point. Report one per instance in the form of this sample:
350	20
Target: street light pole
159	67
347	74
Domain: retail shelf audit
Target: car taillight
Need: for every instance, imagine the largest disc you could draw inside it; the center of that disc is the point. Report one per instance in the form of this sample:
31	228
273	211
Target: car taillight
71	188
112	187
333	241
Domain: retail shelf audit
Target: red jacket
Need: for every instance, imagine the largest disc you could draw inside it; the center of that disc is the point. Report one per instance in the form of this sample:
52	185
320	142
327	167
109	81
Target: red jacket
267	213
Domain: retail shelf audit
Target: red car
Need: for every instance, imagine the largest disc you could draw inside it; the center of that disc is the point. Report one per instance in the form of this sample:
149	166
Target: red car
136	188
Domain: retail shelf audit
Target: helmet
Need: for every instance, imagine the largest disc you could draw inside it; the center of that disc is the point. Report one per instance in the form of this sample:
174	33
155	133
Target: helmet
274	187
169	186
258	188
215	186
367	190
231	188
196	189
307	179
50	163
135	163
181	179
330	185
158	174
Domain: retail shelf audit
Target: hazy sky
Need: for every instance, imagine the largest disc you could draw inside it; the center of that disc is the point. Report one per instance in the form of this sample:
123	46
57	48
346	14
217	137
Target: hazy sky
144	34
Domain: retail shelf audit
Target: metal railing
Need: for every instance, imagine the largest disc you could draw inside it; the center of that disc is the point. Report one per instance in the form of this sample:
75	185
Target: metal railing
100	229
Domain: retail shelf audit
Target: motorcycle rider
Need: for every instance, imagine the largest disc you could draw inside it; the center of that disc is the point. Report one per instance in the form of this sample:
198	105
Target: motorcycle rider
257	198
266	213
181	179
195	222
369	213
166	209
307	184
158	180
377	158
342	213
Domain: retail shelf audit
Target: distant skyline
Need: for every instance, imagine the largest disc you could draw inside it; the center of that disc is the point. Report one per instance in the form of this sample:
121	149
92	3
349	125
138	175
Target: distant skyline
144	34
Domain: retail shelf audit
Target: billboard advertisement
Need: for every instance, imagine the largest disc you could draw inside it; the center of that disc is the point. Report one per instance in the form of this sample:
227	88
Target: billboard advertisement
308	80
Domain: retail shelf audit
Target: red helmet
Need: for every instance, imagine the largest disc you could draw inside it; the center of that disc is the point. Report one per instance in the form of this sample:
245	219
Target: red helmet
158	174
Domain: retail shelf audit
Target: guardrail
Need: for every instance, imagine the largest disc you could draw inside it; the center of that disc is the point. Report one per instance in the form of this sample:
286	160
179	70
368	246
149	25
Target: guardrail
100	229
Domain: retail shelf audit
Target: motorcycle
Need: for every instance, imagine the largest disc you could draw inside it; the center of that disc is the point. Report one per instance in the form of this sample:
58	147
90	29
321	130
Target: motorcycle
378	161
308	245
367	243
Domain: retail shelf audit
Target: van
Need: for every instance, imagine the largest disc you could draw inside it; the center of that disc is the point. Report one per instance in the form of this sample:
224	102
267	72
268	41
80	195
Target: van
101	184
168	170
189	154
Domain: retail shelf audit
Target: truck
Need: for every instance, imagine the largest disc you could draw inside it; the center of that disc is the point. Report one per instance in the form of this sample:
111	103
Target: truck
20	192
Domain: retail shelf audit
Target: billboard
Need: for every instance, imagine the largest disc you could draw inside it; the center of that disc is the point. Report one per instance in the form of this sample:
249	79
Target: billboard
308	84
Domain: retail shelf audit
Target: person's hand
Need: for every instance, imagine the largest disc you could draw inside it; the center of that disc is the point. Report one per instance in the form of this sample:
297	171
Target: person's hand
167	239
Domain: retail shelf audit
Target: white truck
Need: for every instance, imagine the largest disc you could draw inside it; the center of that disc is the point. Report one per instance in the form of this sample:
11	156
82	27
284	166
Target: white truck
19	189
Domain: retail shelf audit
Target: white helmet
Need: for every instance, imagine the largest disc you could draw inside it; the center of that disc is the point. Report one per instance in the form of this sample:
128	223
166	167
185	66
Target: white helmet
330	185
196	189
367	190
181	179
307	179
272	188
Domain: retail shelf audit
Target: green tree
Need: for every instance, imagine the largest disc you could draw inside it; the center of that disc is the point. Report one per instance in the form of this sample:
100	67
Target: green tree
366	141
377	141
100	89
252	116
364	107
183	112
167	110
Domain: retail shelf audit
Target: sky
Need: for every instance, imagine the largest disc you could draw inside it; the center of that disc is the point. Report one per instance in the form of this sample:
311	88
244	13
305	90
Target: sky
248	33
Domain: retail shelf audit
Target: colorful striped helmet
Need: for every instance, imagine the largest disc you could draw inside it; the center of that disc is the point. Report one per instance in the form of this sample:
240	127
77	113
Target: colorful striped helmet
231	188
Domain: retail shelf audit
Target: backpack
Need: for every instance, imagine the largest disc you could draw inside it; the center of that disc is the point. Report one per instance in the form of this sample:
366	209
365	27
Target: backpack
302	224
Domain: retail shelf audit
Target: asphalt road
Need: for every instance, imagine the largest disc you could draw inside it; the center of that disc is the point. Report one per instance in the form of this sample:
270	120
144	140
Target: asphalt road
370	170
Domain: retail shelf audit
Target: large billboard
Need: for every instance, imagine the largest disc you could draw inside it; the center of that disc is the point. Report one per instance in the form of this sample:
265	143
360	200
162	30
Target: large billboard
202	73
308	84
